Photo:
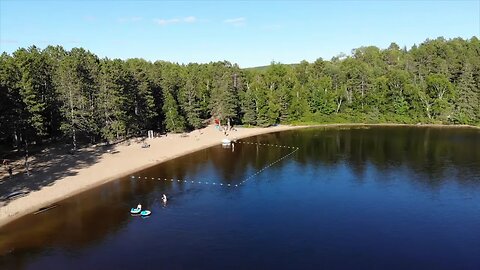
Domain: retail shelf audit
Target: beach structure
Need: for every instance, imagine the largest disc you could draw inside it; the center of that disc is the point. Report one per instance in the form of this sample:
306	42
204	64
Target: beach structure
226	141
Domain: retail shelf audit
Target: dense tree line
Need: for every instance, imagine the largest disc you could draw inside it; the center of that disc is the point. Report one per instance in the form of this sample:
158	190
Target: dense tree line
56	94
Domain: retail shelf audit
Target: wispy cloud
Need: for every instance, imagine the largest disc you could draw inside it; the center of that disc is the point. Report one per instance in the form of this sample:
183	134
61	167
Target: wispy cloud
189	19
240	21
129	19
166	21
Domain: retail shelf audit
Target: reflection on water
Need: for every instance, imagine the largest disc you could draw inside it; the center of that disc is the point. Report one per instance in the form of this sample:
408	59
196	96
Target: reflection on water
358	193
430	152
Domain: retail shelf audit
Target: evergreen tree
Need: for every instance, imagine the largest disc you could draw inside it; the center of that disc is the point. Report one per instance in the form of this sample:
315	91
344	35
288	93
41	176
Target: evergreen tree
174	122
11	105
224	100
249	107
115	100
52	92
262	103
189	97
77	86
143	95
35	88
468	97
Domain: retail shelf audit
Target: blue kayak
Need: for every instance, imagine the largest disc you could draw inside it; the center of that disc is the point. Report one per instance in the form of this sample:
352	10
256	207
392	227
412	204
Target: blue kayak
135	210
145	213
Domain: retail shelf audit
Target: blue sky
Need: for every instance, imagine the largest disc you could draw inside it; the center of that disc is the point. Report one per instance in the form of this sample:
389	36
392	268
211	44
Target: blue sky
250	33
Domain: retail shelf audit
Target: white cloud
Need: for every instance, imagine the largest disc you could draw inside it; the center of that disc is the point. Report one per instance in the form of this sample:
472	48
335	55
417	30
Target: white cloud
166	21
240	21
189	19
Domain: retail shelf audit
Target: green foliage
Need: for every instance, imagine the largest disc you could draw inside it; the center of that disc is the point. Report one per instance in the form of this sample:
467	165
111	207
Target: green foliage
115	99
174	122
53	92
76	82
249	107
35	88
190	96
224	103
263	105
467	105
12	113
145	115
299	105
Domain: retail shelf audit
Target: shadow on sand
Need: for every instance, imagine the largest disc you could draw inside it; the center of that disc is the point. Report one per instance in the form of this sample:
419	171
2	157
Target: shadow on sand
52	164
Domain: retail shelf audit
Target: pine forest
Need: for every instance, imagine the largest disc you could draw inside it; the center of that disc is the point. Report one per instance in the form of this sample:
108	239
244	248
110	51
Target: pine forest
74	96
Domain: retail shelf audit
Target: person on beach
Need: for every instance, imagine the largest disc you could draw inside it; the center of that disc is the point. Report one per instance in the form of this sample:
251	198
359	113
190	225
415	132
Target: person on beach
164	198
10	171
27	166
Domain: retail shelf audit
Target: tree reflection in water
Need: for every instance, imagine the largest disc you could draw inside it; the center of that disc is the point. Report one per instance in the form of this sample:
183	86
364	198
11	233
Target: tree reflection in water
427	157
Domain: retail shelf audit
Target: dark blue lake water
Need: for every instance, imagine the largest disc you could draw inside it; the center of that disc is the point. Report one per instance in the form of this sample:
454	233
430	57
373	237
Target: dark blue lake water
349	198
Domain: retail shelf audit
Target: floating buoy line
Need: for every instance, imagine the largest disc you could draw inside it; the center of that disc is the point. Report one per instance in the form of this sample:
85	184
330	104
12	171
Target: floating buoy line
218	183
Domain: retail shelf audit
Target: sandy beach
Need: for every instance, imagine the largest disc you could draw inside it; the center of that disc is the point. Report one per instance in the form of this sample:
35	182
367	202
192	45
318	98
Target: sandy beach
118	161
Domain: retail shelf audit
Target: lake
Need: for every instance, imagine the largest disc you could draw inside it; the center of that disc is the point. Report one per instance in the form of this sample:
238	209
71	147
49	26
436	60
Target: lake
348	198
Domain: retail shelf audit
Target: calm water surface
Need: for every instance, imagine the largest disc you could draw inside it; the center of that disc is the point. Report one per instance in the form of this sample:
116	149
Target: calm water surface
353	198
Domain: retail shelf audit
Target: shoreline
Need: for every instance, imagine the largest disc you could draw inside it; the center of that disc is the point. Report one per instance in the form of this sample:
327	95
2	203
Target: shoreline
161	150
304	125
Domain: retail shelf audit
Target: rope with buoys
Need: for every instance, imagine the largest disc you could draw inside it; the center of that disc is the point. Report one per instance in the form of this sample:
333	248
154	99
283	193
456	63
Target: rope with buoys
219	183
